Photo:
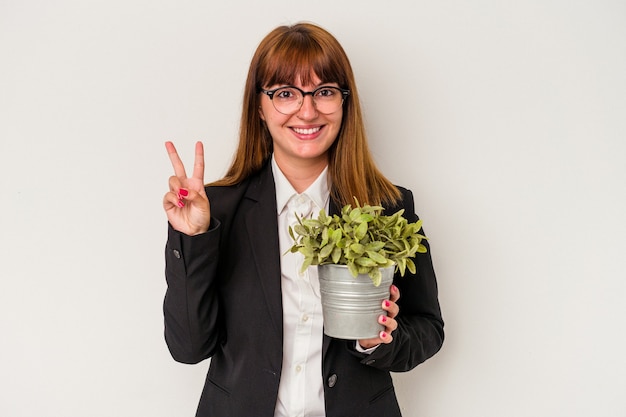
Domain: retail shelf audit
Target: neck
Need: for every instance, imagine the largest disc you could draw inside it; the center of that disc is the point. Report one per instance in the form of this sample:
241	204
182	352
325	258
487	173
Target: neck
301	174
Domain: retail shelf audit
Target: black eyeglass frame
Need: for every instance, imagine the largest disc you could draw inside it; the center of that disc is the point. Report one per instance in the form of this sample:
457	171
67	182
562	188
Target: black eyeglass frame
270	93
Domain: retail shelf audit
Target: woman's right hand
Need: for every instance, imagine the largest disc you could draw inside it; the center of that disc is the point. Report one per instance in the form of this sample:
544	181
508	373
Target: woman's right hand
186	204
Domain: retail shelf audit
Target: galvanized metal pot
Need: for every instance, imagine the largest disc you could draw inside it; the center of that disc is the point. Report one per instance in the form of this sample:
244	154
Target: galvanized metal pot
351	306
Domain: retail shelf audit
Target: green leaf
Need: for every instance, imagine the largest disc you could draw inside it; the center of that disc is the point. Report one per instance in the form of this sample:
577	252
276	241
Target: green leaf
326	251
411	266
364	269
360	231
323	218
374	246
307	262
357	248
391	220
301	230
409	231
311	223
365	262
324	237
336	255
377	257
353	269
306	251
395	246
310	242
401	265
376	276
365	218
388	264
355	214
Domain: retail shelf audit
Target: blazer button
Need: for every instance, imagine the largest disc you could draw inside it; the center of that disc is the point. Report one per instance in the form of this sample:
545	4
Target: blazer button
332	380
176	254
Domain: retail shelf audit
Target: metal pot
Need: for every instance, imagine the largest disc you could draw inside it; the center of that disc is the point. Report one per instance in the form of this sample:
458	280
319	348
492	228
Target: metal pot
351	306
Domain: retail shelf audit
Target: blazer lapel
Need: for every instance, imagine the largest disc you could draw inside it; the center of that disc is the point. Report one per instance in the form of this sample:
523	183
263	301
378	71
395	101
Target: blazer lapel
262	224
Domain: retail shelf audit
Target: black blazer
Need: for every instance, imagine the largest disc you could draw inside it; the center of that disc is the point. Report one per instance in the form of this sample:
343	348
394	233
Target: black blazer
224	302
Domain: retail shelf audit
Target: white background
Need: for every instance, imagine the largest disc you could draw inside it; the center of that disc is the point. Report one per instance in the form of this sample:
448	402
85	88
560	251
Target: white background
506	118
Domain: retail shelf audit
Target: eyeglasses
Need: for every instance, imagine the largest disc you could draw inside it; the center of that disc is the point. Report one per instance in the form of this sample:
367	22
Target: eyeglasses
288	100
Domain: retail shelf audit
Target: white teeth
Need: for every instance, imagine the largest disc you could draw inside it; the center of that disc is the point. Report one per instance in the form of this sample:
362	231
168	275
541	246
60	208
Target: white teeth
306	131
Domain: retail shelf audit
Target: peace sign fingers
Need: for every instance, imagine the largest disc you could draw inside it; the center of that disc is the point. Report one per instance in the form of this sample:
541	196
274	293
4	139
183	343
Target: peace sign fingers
186	204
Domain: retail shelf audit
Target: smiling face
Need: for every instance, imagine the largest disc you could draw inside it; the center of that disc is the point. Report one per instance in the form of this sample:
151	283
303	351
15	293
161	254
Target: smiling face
303	138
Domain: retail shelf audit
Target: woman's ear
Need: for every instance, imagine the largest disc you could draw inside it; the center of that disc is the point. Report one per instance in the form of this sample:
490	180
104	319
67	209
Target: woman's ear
261	113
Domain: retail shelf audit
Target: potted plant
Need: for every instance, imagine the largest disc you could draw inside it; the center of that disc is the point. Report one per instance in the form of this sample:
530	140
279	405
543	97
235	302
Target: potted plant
355	252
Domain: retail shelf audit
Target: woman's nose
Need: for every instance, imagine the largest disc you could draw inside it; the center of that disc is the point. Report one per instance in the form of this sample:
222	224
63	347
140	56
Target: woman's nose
308	109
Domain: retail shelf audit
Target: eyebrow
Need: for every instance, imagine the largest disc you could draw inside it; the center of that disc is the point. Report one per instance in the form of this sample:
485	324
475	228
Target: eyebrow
315	87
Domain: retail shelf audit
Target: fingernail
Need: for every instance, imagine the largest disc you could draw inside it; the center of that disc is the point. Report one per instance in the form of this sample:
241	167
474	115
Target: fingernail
383	319
383	335
184	192
387	304
181	204
394	288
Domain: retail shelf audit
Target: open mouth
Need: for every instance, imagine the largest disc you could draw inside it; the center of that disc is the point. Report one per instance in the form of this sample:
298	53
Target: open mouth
308	131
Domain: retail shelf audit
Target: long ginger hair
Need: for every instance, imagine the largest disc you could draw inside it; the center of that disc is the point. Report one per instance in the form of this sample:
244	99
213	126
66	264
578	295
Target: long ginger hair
304	50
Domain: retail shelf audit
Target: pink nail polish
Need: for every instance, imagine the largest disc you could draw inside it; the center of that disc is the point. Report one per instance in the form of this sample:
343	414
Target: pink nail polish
383	319
383	335
387	304
184	192
181	204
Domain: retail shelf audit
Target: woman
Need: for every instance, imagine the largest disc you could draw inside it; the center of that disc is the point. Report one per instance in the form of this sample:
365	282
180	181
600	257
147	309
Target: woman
234	295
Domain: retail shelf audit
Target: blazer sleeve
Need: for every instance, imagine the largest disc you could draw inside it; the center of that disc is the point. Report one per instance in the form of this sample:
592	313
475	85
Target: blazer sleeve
420	324
190	308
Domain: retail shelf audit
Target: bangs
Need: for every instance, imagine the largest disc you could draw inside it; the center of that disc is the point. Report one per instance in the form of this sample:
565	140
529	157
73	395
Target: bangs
298	57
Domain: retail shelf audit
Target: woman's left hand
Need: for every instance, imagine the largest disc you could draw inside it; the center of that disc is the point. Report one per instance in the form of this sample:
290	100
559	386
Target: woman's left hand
388	321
